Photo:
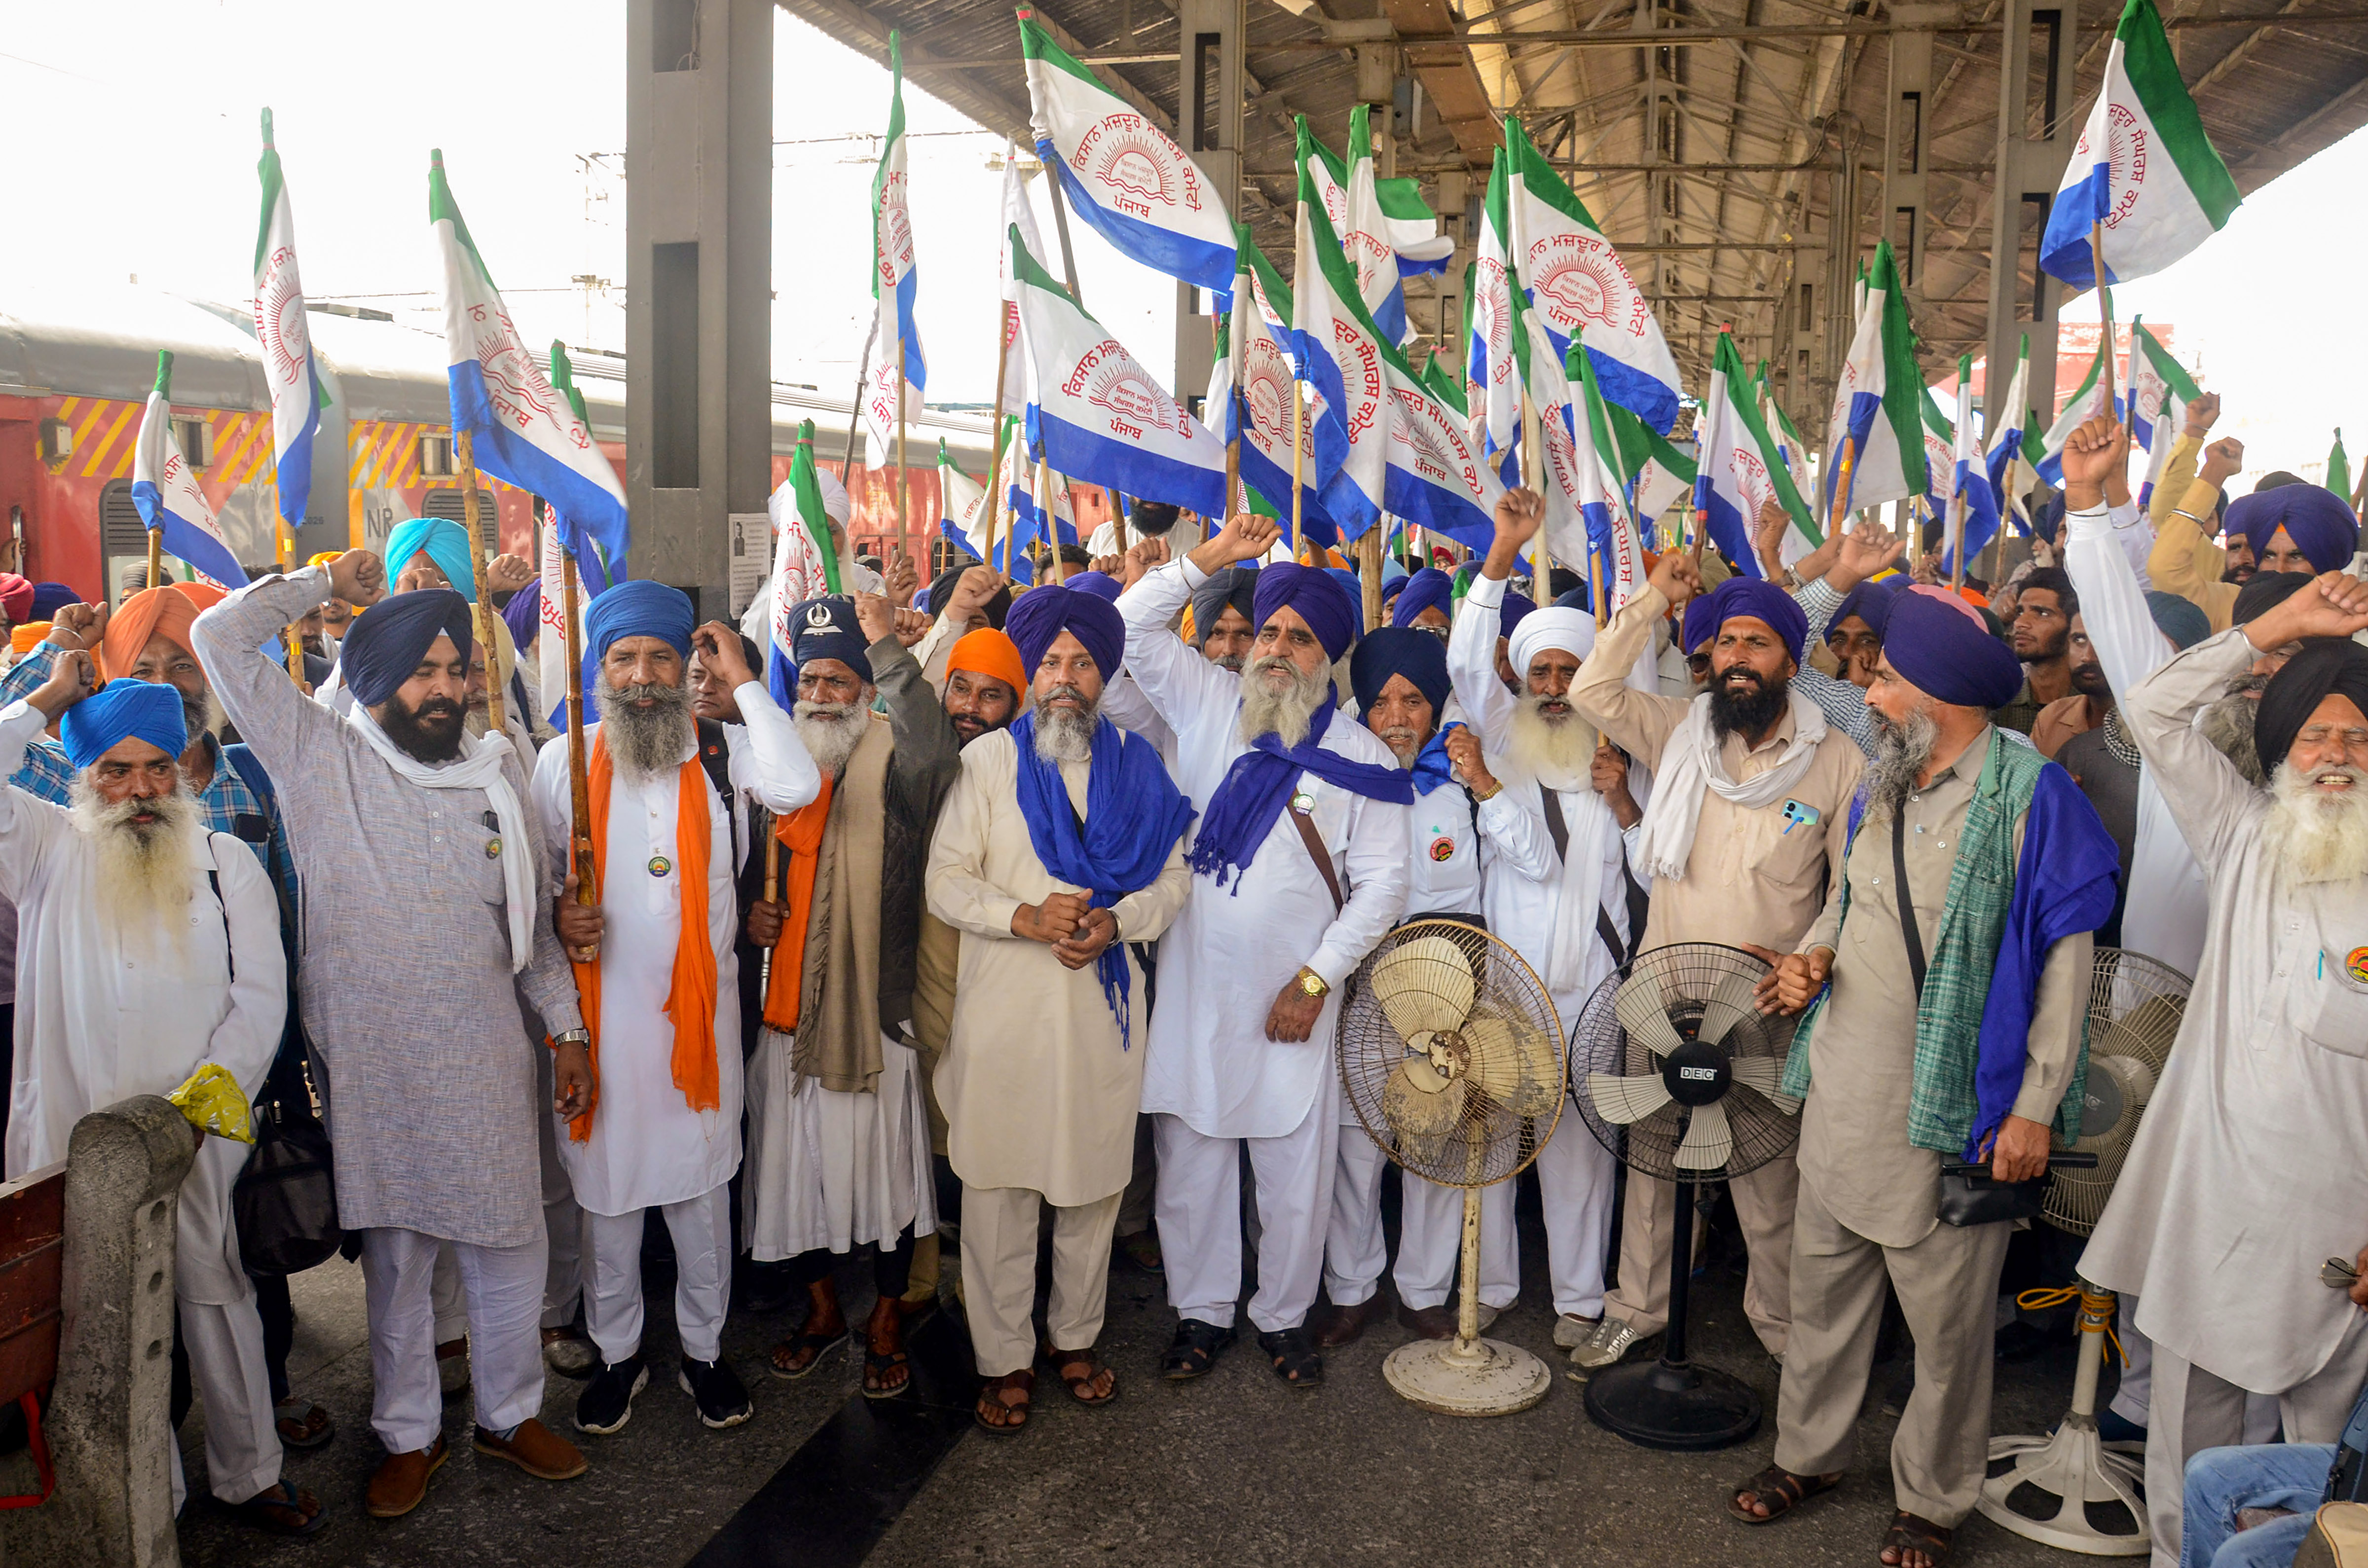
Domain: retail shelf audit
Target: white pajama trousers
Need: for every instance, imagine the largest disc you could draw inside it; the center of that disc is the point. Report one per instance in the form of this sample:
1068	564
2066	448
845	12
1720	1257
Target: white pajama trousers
2133	1396
701	1228
224	1345
502	1287
1200	1215
1430	1235
566	1224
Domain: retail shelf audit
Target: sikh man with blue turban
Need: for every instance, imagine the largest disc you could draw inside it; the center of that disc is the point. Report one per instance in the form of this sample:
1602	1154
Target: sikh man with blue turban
132	912
661	999
1299	863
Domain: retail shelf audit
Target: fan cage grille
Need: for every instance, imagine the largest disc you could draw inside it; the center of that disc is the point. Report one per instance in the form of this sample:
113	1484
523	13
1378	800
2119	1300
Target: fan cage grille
1486	1143
2135	1006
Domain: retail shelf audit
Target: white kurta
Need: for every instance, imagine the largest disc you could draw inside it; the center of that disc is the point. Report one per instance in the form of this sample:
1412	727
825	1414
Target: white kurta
2248	1170
99	1019
647	1146
2163	915
1037	1090
1231	952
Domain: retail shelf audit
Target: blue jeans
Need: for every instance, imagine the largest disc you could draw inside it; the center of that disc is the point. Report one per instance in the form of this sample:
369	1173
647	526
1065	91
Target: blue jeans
2272	1475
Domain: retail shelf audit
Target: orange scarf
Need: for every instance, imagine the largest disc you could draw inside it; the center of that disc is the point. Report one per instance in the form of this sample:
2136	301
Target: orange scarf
690	1001
801	832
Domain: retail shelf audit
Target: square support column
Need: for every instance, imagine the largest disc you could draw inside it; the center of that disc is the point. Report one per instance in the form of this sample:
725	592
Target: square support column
1209	129
2036	61
1907	137
699	249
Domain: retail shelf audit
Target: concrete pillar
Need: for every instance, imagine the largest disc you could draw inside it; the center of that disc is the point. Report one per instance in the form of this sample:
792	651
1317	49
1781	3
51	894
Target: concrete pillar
1907	130
1209	129
2034	93
107	1419
699	243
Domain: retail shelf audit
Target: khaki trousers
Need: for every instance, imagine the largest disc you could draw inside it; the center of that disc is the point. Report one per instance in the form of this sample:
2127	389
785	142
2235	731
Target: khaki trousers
1763	1204
1947	1288
999	1263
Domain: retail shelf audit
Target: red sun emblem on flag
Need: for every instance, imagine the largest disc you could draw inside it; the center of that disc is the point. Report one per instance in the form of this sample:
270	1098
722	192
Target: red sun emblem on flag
2126	155
514	383
1750	477
1369	253
1576	287
1488	304
1266	388
1134	160
279	328
1135	401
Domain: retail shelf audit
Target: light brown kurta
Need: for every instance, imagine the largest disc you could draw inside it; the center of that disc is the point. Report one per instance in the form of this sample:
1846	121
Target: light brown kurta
1036	1089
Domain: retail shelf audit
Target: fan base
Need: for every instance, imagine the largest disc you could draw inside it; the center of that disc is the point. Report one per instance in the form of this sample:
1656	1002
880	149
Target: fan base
2075	1469
1656	1404
1485	1377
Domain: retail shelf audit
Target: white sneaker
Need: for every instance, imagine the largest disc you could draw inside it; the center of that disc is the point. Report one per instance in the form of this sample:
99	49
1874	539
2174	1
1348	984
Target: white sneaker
1571	1330
1606	1346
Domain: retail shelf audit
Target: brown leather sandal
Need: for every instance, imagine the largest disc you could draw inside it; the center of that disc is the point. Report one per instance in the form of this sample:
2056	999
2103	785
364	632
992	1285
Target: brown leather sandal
1913	1532
1078	1371
1779	1491
997	1415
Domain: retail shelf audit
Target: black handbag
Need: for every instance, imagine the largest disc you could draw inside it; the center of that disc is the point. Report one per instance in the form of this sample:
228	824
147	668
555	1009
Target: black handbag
285	1203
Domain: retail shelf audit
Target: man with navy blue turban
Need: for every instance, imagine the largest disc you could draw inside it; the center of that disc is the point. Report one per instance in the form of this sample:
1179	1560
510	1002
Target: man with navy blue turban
838	1121
1957	949
411	993
1738	842
1424	601
1299	867
671	801
149	950
1060	846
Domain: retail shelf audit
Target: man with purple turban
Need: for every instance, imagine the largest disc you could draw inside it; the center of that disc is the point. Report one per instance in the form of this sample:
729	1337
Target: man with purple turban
1424	602
1060	844
1738	843
1299	867
1944	1023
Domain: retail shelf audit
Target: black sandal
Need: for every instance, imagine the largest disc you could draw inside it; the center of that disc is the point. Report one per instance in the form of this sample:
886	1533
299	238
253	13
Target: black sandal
1011	1417
1077	1370
1194	1351
270	1510
877	1365
1913	1532
821	1344
1779	1491
1294	1357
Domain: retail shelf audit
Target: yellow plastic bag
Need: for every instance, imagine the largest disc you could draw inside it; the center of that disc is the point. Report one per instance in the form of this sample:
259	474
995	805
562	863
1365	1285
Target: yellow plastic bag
215	1103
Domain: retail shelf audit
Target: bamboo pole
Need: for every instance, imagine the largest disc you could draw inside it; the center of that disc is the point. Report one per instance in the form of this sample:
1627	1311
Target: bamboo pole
2104	306
296	656
465	449
855	415
1533	467
156	557
1957	540
1298	439
1368	559
1060	228
903	473
1843	467
579	778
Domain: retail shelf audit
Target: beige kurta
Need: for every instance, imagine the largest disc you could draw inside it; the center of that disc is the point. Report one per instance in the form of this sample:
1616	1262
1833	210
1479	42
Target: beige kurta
1036	1090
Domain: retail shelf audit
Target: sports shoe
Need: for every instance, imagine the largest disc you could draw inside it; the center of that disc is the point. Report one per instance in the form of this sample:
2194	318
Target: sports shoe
607	1402
1606	1346
716	1389
1571	1331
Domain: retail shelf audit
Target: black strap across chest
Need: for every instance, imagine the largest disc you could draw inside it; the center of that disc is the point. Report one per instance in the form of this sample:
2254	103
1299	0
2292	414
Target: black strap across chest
1906	904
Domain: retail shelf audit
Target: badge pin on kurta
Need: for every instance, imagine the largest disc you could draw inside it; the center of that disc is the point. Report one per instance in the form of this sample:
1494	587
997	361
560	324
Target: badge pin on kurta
660	865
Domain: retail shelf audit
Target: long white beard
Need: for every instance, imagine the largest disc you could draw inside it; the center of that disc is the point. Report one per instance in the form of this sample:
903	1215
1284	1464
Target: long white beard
1555	748
2314	838
1283	714
1064	735
831	732
143	872
644	743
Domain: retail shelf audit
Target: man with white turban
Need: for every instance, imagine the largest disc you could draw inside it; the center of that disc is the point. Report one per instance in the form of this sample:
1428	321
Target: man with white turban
1553	873
781	507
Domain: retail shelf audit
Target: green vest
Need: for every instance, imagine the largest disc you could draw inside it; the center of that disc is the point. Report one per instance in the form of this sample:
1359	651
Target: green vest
1943	1102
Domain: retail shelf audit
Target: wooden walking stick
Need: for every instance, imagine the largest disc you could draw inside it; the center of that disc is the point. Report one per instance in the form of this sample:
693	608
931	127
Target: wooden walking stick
465	449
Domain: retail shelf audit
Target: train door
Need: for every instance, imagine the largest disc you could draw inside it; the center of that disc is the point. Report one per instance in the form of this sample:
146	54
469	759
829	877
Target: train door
122	539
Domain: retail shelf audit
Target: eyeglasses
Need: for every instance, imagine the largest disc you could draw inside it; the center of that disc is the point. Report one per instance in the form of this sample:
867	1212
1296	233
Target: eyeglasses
2354	739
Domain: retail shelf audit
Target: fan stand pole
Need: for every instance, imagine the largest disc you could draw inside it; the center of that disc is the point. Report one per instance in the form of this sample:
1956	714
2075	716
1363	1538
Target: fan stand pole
2071	1467
1468	1375
1467	1298
1671	1402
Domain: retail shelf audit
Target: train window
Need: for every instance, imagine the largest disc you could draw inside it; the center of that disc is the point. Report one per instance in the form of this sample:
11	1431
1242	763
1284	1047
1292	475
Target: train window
120	531
451	505
435	457
197	442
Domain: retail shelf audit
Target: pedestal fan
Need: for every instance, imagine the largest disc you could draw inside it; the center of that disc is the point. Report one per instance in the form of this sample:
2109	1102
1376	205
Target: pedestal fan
2044	1486
1675	1071
1451	1055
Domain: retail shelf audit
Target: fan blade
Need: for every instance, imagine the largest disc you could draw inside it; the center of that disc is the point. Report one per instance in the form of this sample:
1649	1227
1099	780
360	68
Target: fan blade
1709	1140
1761	1073
1642	1012
1413	1112
1623	1100
1424	987
1729	1005
1514	1064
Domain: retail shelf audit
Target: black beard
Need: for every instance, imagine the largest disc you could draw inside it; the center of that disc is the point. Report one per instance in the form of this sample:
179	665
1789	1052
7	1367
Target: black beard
430	732
1747	713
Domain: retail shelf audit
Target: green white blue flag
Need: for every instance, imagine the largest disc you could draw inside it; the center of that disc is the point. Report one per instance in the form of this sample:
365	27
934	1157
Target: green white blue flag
285	342
1875	443
896	286
1490	362
166	494
1339	350
1740	467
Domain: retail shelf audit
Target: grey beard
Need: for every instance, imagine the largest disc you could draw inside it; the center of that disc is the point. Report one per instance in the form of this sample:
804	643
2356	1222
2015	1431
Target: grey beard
1066	735
2312	837
1901	751
831	732
2228	723
643	742
200	714
1233	662
143	872
1283	714
1552	748
1406	743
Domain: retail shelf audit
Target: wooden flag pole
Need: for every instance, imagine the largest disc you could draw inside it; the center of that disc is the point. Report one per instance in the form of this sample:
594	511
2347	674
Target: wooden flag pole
1533	463
156	557
1060	228
855	415
296	656
1368	559
1298	439
465	449
904	474
1957	537
2104	306
579	777
1842	466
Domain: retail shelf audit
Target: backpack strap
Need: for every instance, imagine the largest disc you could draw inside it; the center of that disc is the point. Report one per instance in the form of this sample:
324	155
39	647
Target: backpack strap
715	755
249	766
213	880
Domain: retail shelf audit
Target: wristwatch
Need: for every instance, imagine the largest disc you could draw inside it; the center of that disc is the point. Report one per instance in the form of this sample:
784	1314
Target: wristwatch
573	1037
1313	983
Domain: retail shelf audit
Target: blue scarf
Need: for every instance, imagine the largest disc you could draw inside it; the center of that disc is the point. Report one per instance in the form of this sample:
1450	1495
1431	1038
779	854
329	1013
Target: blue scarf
1432	766
1134	814
1242	811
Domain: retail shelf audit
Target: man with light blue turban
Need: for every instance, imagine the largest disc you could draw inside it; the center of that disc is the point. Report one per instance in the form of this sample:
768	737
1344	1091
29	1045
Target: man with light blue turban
445	546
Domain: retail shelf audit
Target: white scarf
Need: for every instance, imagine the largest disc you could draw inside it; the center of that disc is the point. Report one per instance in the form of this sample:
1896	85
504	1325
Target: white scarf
1691	763
480	768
